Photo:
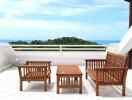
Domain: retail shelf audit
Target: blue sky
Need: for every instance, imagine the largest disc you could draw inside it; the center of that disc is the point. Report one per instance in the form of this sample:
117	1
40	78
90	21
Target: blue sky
49	19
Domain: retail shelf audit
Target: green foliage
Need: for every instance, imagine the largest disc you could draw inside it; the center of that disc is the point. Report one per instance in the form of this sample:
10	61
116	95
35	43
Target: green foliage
69	41
19	42
37	42
58	41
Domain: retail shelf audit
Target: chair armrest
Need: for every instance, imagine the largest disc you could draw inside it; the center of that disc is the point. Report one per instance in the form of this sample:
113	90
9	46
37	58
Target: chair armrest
112	68
91	64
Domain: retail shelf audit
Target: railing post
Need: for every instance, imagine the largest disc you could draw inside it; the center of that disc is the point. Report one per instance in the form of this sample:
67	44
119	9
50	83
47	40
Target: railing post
60	48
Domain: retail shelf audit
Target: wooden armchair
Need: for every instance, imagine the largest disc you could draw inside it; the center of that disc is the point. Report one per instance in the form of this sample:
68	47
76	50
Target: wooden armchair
109	71
35	71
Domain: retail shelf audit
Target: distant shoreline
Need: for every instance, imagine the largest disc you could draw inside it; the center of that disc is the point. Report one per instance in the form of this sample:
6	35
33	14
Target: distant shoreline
103	42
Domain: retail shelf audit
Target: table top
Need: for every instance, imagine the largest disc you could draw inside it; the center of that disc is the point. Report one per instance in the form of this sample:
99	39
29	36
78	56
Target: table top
68	70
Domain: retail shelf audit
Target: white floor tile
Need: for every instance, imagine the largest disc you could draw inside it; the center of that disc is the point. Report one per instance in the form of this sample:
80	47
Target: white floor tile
9	89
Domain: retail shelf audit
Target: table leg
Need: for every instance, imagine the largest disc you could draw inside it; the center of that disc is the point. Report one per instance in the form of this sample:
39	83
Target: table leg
57	84
80	88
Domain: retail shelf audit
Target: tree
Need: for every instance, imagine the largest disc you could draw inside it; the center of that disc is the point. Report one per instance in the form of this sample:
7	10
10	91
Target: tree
58	41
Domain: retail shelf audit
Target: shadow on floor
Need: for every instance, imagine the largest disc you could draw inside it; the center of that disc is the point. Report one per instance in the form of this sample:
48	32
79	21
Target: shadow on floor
110	91
39	87
73	91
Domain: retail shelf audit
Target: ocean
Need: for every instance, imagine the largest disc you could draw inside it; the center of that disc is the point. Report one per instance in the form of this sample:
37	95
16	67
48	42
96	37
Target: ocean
106	42
103	42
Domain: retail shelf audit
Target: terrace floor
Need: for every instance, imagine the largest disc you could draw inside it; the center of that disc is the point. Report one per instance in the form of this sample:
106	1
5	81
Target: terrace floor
9	89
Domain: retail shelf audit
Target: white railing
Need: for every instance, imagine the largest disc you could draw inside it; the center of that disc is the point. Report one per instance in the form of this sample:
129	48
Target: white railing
60	47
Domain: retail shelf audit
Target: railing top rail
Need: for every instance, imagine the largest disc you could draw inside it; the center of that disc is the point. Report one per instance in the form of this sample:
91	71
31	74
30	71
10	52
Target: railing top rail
59	48
59	45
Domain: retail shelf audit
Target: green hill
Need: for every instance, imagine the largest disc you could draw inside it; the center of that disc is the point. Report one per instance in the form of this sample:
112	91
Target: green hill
58	41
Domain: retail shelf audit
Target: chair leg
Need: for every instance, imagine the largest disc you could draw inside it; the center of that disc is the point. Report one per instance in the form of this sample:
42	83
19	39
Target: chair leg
49	79
21	85
45	85
123	90
97	90
28	81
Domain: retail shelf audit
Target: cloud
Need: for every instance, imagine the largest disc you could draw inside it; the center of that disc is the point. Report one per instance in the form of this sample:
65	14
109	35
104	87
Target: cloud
14	13
122	24
37	24
114	2
17	8
52	26
46	25
43	29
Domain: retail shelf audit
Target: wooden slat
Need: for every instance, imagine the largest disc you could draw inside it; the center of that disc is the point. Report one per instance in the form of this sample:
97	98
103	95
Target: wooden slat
111	71
34	71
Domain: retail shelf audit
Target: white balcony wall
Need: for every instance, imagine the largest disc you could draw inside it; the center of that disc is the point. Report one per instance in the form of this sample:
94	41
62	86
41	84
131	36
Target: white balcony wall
126	43
64	57
113	47
7	55
124	46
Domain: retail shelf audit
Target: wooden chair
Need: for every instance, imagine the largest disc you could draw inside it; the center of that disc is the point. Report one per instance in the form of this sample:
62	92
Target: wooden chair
109	71
35	71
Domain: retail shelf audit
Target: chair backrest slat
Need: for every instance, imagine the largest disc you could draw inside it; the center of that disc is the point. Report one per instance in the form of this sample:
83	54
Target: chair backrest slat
35	72
115	60
40	63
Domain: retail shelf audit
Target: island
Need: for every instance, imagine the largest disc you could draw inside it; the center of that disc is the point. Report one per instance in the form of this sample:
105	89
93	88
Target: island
58	41
59	44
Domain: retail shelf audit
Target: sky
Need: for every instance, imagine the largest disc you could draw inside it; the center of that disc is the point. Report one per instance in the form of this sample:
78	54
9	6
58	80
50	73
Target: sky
49	19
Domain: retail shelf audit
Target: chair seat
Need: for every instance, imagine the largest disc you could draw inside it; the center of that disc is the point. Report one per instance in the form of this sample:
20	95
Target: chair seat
92	74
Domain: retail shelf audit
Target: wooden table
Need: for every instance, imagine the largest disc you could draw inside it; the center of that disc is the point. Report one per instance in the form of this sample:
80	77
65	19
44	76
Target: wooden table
69	76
